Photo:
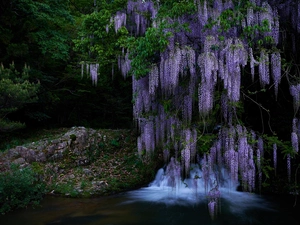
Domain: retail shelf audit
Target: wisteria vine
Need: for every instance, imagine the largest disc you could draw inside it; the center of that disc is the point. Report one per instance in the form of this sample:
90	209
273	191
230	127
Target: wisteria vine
181	85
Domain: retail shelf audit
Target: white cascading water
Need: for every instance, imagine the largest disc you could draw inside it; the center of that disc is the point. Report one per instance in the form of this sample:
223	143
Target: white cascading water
170	189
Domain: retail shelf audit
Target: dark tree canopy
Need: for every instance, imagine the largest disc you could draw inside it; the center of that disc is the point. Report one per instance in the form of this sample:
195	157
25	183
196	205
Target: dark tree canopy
43	35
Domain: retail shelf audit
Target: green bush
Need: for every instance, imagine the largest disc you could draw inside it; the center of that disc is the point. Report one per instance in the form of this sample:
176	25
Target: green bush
15	92
19	188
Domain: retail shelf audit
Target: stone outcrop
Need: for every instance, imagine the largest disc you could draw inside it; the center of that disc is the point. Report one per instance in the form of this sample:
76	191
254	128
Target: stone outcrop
80	161
73	145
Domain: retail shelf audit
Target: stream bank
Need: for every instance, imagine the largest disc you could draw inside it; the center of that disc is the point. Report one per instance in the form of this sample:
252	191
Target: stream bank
84	162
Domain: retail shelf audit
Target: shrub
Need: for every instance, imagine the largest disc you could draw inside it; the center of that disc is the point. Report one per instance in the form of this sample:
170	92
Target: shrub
19	188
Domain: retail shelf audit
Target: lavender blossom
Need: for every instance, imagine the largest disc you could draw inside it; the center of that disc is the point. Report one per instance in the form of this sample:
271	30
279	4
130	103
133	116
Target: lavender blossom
258	162
288	164
94	73
295	92
275	156
264	76
276	70
212	207
153	80
119	20
295	143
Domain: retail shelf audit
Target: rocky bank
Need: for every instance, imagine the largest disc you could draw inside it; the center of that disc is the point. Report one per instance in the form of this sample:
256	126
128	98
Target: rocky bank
83	162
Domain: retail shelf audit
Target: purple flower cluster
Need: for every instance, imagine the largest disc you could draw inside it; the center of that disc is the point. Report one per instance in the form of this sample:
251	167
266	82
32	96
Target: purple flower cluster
119	20
202	11
253	62
260	146
275	157
173	170
205	171
295	92
264	76
258	162
276	70
213	196
124	63
295	134
208	65
237	155
137	11
267	15
288	163
295	142
187	109
250	17
153	80
275	28
186	151
232	57
94	73
146	140
212	208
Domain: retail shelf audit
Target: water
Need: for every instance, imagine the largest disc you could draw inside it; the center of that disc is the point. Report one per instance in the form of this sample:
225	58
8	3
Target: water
180	204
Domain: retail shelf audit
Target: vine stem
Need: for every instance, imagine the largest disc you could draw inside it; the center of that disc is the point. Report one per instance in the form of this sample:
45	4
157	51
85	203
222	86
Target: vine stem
261	107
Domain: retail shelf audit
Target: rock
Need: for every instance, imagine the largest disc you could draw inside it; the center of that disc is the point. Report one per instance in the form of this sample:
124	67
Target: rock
61	157
21	150
13	153
83	162
76	151
79	190
99	183
57	156
50	150
41	157
62	145
40	148
19	161
87	171
80	134
30	156
55	141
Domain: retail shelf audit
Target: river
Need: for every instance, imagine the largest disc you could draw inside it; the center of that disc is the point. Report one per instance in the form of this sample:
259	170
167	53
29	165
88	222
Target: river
160	204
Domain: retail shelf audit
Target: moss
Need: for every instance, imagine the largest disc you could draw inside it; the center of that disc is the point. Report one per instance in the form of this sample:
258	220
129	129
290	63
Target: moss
73	137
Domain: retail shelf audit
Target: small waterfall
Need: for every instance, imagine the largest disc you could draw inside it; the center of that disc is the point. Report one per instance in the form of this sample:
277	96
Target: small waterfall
169	188
193	189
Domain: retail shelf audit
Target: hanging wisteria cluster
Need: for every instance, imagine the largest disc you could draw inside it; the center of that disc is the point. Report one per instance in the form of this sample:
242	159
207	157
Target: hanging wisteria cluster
234	150
134	17
212	61
181	87
295	134
91	70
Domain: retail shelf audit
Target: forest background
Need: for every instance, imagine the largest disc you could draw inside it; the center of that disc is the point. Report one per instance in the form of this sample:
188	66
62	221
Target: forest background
39	52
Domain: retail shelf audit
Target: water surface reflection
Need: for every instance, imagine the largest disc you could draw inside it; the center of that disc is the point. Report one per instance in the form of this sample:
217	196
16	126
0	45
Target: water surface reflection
133	208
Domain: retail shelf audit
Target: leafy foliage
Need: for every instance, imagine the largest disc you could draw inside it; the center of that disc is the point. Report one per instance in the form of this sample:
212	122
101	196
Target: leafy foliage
15	92
175	9
145	50
19	188
35	27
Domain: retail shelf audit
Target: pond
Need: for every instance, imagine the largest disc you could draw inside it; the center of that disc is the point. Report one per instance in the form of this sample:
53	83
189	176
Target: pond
161	205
